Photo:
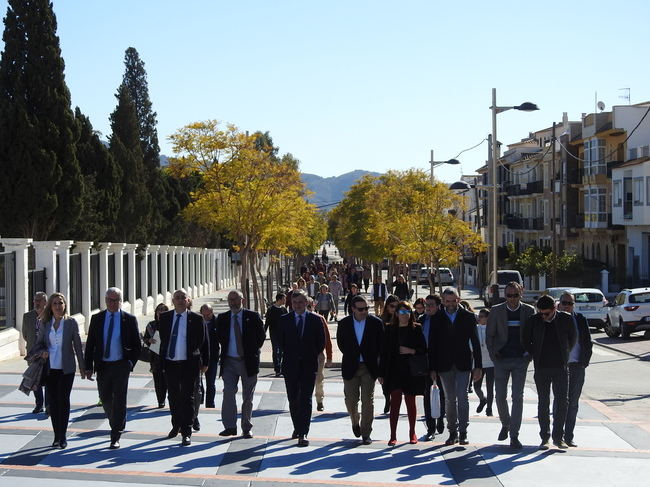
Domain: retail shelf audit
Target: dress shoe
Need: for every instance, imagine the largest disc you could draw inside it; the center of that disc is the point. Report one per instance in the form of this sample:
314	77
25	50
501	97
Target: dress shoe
114	445
516	444
392	442
488	412
161	405
387	407
294	435
429	436
63	444
196	426
37	409
481	405
319	406
229	432
560	444
55	444
571	443
503	434
302	441
462	439
440	425
187	441
247	434
452	440
210	406
278	374
356	429
173	433
366	440
544	445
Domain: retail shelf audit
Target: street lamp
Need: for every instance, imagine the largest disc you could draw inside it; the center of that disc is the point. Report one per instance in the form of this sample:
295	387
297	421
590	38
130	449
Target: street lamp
433	163
526	107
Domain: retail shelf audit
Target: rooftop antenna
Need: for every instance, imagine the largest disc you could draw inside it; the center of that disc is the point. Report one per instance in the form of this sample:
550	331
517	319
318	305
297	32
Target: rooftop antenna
625	95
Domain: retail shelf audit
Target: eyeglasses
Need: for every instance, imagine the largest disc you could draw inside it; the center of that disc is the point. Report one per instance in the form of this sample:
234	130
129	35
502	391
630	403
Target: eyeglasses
546	314
512	295
113	300
404	312
364	308
567	303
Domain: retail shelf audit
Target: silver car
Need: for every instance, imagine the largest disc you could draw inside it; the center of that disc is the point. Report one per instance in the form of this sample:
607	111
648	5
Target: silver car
630	313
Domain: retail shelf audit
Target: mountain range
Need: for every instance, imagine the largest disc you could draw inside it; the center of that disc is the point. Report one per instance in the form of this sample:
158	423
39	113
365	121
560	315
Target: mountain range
329	191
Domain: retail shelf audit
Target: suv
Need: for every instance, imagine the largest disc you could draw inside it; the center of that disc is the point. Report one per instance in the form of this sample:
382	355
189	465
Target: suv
592	304
630	313
503	277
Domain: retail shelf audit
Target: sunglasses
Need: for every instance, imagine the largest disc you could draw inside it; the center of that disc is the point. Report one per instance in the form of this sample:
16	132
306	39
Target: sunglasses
364	308
404	312
567	303
512	295
546	313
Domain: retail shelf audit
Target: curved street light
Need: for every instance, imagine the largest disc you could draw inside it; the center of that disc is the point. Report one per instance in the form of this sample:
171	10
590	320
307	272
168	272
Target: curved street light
433	163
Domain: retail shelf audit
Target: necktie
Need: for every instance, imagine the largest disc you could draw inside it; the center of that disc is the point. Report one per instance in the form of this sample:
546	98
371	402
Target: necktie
107	345
172	341
300	326
238	338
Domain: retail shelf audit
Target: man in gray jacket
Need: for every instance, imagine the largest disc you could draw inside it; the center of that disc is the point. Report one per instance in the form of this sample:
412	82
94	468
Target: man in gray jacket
31	327
503	341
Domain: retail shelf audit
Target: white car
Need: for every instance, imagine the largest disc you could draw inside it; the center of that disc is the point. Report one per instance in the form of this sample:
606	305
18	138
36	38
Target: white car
504	276
592	304
630	313
556	292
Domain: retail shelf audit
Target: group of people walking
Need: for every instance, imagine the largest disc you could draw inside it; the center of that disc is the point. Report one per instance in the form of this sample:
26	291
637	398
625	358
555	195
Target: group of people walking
437	348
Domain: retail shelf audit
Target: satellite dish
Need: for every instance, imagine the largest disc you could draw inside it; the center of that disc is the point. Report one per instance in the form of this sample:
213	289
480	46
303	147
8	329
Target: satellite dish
601	106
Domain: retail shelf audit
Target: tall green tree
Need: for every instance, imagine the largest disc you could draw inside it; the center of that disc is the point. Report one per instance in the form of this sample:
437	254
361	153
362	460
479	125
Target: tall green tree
41	186
135	80
133	222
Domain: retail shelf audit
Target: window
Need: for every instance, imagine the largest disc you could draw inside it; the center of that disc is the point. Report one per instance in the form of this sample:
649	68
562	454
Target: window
595	201
647	190
627	198
638	191
618	198
594	156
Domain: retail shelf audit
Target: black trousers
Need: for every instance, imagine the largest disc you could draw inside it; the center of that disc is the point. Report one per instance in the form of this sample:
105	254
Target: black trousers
58	387
159	382
210	383
431	422
112	385
299	392
182	377
558	379
277	352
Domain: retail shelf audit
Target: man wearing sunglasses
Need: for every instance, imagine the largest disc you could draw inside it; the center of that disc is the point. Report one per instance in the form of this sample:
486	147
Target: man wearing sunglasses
503	341
549	336
578	361
359	338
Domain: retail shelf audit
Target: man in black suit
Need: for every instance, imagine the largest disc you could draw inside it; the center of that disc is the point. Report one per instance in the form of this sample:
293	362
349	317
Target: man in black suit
185	348
241	335
210	323
112	350
432	306
450	356
579	358
359	338
549	336
302	339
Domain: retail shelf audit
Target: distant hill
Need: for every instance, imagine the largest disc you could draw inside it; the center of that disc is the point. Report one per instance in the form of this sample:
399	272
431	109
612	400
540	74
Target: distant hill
332	189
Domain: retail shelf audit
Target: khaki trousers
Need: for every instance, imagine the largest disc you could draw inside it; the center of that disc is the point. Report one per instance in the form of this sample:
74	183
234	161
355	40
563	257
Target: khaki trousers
361	386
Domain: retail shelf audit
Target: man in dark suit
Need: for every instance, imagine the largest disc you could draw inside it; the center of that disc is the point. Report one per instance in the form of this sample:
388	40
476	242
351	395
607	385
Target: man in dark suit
112	350
432	306
579	358
241	335
185	348
359	338
549	336
31	326
450	356
210	323
302	339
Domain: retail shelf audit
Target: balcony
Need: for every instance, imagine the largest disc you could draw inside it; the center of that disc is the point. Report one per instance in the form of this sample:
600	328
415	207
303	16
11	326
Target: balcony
535	187
514	222
537	223
513	189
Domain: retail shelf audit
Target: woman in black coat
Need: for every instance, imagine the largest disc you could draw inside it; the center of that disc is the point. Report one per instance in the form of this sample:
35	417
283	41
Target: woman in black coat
160	384
403	338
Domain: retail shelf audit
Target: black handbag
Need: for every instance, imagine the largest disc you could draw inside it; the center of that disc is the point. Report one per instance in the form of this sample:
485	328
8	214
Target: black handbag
419	365
145	354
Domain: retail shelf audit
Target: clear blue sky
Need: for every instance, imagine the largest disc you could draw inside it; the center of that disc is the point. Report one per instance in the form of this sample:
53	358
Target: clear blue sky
346	84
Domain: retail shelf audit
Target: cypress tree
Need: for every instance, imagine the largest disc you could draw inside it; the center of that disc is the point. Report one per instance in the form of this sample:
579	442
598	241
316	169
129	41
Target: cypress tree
41	187
133	222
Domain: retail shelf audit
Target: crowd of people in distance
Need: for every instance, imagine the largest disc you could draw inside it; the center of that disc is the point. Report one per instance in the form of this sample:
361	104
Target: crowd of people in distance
437	345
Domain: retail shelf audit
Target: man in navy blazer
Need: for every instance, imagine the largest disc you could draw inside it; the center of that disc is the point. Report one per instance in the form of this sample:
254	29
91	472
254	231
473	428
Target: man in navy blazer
112	350
302	339
186	352
359	337
241	335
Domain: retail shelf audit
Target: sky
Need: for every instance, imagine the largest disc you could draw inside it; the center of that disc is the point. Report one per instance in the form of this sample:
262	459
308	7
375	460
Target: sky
359	84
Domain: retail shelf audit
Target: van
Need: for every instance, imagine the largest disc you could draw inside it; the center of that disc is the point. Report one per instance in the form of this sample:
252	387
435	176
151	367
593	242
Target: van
504	276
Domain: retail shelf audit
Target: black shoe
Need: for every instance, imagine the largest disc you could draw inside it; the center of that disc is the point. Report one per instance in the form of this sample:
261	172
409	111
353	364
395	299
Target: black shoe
114	445
440	425
515	443
503	434
196	426
173	433
161	405
187	441
356	429
560	444
453	439
366	440
278	374
303	441
488	412
37	409
571	443
55	444
229	432
294	435
319	406
462	439
544	445
47	411
209	406
481	405
387	407
429	436
247	434
63	444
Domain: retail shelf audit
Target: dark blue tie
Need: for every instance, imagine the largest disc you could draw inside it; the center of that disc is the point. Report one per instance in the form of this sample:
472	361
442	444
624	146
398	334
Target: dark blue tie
172	342
300	326
107	345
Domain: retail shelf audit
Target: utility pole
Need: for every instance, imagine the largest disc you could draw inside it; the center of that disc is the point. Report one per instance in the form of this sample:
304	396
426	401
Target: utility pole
553	210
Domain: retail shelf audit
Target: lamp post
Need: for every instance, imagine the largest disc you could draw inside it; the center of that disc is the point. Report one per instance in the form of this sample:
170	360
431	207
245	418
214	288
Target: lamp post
440	163
526	107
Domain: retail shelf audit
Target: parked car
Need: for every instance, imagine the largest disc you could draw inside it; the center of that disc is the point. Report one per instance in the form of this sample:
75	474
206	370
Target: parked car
556	292
446	276
592	304
629	313
503	277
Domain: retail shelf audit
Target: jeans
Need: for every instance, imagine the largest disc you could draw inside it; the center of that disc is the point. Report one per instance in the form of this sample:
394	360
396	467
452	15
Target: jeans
576	381
557	378
454	383
503	370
